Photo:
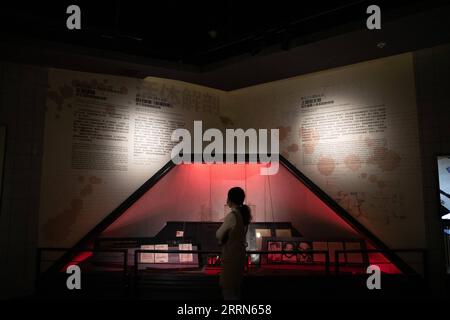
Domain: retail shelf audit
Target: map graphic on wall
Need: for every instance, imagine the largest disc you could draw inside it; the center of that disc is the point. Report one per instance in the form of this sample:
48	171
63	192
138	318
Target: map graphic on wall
351	130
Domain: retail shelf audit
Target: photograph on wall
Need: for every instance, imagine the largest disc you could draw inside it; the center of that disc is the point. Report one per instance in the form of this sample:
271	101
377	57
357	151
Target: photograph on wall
161	257
274	246
289	257
186	257
179	234
304	249
147	257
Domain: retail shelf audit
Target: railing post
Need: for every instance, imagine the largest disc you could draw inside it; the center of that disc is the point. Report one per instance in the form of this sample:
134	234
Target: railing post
426	275
126	279
135	273
336	262
125	261
38	270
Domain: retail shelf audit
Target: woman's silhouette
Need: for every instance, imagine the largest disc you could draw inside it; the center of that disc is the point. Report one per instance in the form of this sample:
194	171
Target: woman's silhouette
231	236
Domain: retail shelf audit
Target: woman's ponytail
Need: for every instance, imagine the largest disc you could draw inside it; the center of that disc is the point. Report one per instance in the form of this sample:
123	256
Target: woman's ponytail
246	214
237	196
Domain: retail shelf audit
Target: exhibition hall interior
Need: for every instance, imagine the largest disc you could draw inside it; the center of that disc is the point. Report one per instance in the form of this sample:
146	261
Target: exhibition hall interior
126	128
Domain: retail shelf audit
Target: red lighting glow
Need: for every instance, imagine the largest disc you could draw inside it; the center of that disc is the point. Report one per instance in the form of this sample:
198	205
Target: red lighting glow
80	257
197	192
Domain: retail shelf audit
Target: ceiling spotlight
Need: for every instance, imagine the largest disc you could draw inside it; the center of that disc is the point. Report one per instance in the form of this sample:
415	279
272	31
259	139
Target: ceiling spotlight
213	33
106	36
381	45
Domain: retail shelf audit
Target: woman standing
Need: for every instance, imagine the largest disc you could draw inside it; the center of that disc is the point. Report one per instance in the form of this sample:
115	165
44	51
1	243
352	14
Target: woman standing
231	237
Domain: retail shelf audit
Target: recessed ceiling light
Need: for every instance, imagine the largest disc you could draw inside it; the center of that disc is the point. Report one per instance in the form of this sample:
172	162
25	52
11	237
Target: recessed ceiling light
213	34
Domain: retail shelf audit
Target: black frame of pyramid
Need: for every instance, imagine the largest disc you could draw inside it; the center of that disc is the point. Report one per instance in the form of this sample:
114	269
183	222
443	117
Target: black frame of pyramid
89	238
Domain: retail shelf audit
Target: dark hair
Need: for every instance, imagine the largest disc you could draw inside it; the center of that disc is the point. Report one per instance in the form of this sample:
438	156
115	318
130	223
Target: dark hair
237	196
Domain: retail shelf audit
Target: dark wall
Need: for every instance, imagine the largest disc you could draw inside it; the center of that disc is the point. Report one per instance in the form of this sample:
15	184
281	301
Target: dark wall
432	71
22	103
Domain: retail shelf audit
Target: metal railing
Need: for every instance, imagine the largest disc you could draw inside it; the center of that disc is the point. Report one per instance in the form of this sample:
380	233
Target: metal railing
137	253
216	252
338	264
73	253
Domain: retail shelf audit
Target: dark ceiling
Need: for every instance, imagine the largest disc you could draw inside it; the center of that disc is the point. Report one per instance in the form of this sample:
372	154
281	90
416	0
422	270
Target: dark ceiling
194	33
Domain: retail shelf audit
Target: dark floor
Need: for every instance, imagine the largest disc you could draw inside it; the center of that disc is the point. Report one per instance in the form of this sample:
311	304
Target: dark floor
198	286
